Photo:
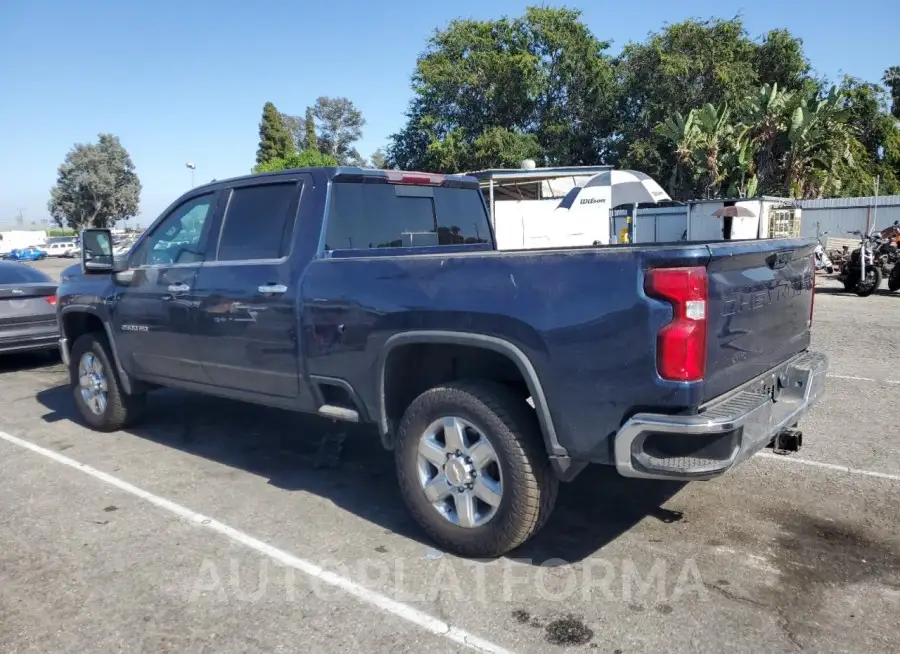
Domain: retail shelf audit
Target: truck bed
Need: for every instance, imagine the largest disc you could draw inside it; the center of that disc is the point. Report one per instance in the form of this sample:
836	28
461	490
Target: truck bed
580	316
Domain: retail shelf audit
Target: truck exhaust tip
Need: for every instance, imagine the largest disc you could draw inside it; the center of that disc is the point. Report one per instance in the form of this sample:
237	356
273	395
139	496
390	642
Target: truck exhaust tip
787	441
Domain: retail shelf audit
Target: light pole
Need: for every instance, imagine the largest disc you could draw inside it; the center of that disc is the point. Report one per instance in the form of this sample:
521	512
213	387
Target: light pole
193	167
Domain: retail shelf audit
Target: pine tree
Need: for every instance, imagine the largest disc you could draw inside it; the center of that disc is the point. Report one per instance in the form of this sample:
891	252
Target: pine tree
311	141
274	137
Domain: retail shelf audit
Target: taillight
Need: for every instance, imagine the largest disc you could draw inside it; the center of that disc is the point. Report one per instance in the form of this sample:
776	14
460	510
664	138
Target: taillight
51	299
681	344
419	179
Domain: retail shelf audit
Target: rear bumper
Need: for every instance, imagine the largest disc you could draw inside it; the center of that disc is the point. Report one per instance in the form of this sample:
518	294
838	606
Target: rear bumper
29	342
725	432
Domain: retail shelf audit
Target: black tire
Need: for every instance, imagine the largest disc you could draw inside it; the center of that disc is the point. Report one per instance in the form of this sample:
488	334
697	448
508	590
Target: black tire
894	279
122	410
866	289
529	484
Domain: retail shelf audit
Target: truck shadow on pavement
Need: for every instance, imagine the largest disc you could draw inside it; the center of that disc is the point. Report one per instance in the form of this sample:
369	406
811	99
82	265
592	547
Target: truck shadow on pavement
346	464
19	362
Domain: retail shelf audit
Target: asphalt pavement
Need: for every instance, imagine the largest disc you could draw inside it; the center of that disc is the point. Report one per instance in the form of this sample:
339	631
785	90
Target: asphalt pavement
218	526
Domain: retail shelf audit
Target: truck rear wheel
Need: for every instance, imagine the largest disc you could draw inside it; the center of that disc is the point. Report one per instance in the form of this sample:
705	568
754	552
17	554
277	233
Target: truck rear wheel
95	383
472	468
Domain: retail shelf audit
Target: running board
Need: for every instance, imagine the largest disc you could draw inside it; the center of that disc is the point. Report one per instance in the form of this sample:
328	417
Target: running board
338	413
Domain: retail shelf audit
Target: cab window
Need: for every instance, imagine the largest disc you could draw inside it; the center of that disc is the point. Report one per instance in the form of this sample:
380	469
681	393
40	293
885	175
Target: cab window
179	237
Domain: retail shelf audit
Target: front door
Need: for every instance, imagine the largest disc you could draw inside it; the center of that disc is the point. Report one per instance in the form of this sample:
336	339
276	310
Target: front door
155	314
247	296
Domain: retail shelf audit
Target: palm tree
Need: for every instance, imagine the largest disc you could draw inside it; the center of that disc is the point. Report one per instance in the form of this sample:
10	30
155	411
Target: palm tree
818	140
766	121
682	132
714	132
740	167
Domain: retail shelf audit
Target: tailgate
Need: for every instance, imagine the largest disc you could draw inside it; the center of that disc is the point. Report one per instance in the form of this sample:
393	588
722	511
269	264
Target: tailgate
760	295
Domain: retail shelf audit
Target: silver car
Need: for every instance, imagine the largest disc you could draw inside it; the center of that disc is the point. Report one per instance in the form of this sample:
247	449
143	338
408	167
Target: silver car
27	309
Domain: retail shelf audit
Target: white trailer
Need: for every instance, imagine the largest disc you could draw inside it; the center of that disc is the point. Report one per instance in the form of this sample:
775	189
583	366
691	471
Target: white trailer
21	238
561	207
522	206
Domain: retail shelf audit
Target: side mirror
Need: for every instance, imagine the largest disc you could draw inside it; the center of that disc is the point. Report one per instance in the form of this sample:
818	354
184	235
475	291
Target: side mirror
97	251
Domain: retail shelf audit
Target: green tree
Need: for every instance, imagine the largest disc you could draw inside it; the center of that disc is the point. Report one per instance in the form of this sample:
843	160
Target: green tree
891	79
379	159
275	141
714	133
96	186
295	126
538	84
309	125
683	134
865	107
780	61
302	130
577	91
739	168
819	142
541	86
868	119
688	65
304	159
340	125
766	120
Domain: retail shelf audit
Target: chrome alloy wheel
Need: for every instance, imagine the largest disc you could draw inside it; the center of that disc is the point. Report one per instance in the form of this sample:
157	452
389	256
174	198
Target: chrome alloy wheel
92	383
459	472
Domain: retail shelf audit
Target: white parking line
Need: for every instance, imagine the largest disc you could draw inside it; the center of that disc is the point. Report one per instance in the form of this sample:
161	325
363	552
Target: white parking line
868	379
865	379
829	466
383	602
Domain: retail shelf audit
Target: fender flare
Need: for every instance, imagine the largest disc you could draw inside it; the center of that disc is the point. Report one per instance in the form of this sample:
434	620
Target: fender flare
499	345
127	384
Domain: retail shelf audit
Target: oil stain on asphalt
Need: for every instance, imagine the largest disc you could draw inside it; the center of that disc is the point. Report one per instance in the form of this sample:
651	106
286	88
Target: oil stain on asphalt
566	631
814	555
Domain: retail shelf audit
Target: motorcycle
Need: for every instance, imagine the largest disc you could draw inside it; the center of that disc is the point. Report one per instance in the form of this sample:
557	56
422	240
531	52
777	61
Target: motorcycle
863	272
823	261
892	234
894	279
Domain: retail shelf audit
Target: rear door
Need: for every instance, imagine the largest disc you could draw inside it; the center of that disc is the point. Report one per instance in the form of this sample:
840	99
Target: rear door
247	295
760	302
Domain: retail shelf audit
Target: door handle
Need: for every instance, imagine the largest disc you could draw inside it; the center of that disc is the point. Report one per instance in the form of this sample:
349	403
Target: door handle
272	289
179	288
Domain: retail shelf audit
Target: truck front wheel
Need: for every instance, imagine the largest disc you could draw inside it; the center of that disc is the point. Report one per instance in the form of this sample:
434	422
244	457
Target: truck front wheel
95	383
472	468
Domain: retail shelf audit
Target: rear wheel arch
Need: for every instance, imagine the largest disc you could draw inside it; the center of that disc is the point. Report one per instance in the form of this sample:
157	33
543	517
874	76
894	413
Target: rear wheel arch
393	395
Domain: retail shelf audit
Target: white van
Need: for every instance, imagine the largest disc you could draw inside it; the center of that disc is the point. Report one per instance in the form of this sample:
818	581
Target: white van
59	249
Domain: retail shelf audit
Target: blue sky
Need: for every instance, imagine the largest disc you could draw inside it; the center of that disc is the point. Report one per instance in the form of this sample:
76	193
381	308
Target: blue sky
186	80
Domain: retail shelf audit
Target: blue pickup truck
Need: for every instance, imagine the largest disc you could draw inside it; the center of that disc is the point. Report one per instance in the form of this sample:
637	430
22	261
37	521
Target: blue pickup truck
379	297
